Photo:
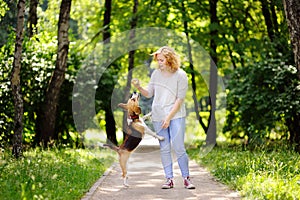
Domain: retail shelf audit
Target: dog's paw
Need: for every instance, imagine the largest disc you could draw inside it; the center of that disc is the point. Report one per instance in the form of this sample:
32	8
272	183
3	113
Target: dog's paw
125	182
160	138
147	117
101	145
126	185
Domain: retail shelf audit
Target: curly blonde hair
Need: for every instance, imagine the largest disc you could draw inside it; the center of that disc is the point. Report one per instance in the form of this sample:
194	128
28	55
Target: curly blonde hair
172	59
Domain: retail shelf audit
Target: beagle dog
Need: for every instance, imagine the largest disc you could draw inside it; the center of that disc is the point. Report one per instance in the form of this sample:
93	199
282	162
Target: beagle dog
135	130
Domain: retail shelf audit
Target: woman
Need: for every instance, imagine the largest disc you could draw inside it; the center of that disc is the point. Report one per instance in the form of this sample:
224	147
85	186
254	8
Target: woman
168	85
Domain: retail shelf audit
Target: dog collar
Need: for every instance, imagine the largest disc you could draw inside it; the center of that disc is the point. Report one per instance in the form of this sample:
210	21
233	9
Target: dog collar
134	117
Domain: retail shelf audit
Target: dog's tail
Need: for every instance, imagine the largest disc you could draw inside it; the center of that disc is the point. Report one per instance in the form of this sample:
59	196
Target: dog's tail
111	146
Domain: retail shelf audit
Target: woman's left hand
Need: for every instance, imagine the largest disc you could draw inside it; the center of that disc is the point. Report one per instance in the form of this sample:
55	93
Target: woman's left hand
135	82
165	123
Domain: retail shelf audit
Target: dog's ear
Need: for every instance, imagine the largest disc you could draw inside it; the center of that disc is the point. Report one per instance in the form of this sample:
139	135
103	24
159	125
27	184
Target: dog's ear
138	110
123	105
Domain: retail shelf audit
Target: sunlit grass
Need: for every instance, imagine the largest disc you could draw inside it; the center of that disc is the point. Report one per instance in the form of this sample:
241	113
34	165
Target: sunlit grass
263	173
52	174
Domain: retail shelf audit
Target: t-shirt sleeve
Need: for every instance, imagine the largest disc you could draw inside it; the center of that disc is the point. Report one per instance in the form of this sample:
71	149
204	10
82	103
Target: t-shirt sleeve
182	85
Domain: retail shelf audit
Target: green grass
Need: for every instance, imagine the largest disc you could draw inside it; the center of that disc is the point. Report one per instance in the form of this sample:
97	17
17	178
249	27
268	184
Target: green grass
263	173
52	174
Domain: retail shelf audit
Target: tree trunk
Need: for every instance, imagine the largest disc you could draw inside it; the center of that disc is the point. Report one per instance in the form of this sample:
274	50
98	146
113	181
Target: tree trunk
15	83
292	12
133	25
211	135
233	59
274	18
49	109
110	125
32	19
106	22
268	19
293	125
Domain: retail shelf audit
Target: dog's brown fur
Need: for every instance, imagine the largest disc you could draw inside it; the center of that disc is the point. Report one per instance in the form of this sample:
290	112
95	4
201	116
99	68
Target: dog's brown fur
135	131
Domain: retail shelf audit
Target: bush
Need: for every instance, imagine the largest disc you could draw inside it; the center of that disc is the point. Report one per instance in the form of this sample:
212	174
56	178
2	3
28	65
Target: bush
262	98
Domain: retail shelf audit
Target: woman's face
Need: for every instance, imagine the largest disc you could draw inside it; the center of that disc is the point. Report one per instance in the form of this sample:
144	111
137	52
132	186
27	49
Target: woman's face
161	61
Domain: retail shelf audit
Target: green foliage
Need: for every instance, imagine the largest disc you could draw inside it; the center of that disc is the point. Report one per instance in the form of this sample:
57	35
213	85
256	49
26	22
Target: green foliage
51	174
260	99
7	19
6	101
269	172
3	8
38	63
241	36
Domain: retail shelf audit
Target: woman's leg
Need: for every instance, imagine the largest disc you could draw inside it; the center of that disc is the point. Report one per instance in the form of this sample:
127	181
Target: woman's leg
165	149
177	133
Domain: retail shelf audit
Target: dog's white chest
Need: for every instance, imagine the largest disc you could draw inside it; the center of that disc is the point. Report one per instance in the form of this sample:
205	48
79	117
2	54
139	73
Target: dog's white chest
129	121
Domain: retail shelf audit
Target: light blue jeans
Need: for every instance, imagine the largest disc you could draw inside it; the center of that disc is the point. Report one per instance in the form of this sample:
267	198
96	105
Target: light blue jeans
174	137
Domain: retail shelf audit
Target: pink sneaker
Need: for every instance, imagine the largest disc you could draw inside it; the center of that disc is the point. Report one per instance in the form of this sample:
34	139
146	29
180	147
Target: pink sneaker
188	184
168	184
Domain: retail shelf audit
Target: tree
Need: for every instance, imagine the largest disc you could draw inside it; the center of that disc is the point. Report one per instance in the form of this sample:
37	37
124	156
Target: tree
32	19
268	19
48	112
15	83
292	12
133	24
213	79
110	124
244	40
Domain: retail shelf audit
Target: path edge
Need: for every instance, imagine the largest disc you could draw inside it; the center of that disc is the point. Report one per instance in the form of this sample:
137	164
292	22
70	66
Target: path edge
92	190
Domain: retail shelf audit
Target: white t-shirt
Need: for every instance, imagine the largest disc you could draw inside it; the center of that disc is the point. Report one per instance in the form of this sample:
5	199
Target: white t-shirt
165	91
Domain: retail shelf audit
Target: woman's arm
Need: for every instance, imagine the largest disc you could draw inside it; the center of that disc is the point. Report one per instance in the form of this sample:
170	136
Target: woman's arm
143	91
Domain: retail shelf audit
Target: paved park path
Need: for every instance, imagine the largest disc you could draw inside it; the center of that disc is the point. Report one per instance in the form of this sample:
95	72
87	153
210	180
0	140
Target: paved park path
146	177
